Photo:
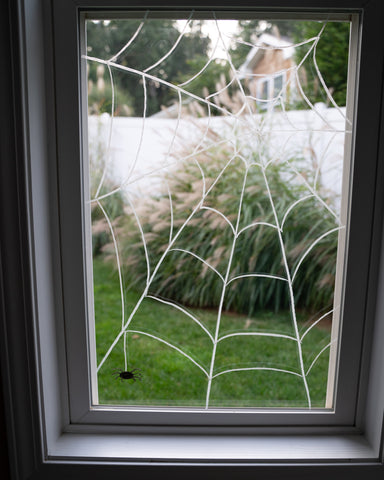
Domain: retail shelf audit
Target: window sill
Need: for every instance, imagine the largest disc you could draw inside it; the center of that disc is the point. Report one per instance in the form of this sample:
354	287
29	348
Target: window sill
212	449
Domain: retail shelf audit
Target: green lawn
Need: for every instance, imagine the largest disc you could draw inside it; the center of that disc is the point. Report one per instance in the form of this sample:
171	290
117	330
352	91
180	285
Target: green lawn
169	378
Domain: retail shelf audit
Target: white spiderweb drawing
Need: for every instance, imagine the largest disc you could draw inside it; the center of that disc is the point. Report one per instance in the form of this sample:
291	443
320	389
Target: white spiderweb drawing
239	178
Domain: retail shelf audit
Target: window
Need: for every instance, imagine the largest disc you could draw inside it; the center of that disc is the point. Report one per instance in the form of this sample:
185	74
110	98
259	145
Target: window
71	435
270	88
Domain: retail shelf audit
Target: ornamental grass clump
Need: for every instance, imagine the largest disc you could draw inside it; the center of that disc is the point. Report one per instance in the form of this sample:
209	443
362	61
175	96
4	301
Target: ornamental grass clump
217	219
101	182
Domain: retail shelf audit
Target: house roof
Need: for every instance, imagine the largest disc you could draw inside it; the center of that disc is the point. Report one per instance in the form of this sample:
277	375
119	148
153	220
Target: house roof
265	41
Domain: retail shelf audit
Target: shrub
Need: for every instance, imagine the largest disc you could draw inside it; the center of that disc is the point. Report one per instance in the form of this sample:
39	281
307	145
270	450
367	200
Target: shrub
113	205
183	277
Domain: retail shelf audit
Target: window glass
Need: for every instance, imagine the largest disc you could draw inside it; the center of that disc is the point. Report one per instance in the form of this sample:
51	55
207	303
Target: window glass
263	96
278	83
216	217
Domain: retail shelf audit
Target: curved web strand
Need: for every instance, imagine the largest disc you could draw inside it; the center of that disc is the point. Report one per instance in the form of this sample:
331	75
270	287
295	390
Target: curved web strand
170	85
234	71
156	268
118	263
131	40
210	59
108	153
262	46
160	169
210	209
161	60
249	75
318	356
140	332
257	334
298	82
329	95
282	152
288	119
256	275
200	259
313	191
223	89
310	104
292	206
271	369
302	258
256	224
219	109
178	307
315	323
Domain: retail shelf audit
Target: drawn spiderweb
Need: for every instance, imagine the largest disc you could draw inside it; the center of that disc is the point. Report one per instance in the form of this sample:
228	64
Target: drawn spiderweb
233	176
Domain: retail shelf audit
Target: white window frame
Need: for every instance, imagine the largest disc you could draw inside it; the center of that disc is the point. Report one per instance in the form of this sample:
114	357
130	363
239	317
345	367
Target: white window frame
74	235
270	81
50	433
260	86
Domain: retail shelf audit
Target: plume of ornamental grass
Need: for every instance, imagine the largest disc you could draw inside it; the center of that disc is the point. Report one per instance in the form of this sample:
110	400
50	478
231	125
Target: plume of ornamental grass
111	206
190	272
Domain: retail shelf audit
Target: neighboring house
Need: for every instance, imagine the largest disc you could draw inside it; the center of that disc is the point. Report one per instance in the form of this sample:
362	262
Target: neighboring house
269	71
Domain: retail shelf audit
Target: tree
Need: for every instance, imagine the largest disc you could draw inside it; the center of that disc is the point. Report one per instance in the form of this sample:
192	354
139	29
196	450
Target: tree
213	78
331	53
331	58
156	38
250	30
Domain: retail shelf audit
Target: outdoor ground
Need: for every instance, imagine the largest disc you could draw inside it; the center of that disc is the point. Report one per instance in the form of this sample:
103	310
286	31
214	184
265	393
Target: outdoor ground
169	378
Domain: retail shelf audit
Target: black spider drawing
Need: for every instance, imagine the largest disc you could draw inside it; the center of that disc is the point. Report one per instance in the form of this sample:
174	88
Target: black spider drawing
134	374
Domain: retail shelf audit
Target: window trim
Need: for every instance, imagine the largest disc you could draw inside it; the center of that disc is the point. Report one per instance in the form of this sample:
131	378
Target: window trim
68	35
40	436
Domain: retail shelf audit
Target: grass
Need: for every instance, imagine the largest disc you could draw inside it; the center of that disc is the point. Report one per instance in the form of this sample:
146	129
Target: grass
170	379
267	197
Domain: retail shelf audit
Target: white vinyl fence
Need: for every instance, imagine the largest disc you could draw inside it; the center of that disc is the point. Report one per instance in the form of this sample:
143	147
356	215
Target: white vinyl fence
135	151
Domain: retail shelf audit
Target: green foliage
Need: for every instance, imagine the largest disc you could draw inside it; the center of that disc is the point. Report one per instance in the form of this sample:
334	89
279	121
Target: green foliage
156	38
331	58
184	278
100	100
250	30
331	54
213	78
113	205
